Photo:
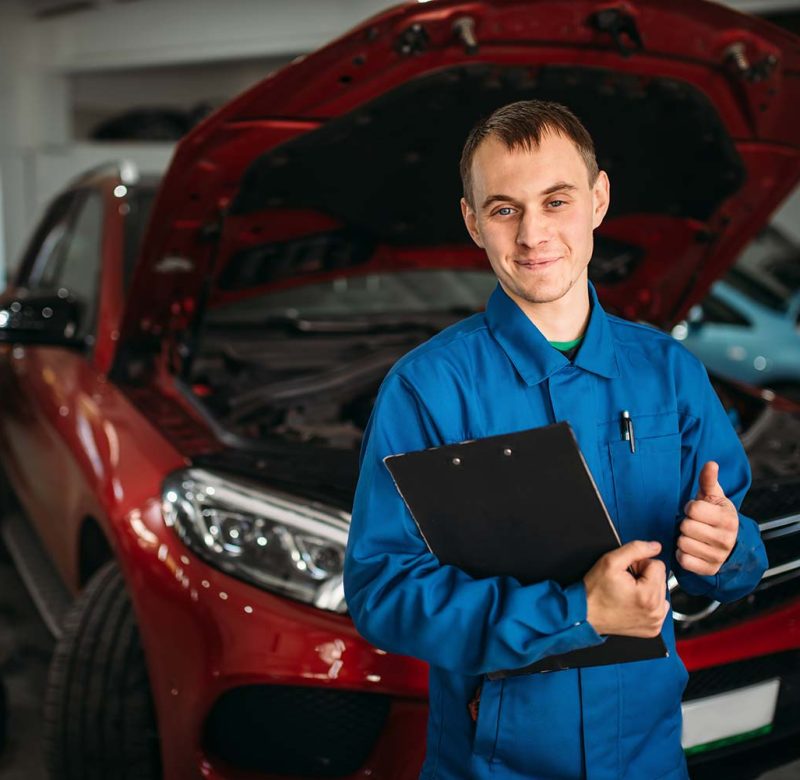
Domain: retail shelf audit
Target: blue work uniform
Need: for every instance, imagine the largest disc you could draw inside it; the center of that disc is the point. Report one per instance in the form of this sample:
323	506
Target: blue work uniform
495	373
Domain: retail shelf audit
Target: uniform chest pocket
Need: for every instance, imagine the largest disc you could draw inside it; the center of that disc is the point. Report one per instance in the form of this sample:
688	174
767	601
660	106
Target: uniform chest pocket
647	487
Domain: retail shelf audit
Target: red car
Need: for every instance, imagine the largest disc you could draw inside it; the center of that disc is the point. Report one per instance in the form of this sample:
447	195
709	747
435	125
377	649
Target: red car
182	437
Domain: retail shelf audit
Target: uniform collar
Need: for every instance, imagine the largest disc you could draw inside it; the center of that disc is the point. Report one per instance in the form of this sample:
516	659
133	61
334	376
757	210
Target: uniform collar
532	354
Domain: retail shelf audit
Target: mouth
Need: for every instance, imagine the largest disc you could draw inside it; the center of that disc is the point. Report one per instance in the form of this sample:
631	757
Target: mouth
541	262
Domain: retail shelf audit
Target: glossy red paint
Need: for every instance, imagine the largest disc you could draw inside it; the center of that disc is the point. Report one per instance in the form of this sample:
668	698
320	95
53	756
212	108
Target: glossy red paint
685	40
205	632
770	633
80	447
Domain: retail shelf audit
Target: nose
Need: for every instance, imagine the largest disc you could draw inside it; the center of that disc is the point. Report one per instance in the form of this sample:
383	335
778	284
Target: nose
534	229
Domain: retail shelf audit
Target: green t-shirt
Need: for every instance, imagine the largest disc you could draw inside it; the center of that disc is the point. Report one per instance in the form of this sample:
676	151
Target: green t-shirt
569	348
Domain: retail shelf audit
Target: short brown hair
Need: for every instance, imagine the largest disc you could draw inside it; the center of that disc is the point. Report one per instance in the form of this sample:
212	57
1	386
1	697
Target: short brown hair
522	125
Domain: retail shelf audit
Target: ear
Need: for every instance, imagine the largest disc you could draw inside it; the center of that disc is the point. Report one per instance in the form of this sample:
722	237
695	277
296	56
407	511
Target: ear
601	195
471	221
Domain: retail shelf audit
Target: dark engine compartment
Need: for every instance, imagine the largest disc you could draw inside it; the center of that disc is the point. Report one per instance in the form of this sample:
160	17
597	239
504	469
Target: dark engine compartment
314	382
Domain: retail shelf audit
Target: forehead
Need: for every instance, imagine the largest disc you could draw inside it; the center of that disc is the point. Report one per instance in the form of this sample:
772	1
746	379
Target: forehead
496	168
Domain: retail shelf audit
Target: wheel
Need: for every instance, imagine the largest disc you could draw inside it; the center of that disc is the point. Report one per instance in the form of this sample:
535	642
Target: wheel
99	720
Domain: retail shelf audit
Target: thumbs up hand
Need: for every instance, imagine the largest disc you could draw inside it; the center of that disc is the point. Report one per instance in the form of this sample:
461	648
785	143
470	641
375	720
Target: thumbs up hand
709	530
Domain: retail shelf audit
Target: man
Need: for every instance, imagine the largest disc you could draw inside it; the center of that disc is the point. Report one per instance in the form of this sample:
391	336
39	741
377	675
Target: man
544	351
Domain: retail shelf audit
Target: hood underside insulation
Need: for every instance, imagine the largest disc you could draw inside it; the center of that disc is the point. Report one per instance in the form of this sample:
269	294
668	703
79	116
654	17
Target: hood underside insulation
390	168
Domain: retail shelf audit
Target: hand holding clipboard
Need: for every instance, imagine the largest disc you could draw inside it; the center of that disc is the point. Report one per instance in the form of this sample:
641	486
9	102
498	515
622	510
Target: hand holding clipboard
525	505
626	591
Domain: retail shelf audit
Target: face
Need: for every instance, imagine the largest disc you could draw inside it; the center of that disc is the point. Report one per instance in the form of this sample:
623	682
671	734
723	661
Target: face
534	216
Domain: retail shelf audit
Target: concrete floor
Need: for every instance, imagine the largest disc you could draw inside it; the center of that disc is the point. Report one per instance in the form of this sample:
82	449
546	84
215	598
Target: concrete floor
25	648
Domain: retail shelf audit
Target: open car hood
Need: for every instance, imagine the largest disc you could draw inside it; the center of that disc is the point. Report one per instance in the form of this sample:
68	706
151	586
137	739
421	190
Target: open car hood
347	159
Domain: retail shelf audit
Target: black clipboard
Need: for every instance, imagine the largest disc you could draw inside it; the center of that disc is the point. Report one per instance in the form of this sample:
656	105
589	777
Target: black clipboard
521	504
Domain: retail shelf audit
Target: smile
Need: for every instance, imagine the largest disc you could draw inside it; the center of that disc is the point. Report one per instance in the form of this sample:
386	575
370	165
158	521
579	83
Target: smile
536	264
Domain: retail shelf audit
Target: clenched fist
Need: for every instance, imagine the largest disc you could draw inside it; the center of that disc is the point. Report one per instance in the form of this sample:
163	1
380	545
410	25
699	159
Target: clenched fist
617	602
709	530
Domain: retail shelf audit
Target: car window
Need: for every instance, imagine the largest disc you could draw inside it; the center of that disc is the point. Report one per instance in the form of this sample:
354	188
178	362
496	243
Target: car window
79	266
75	264
48	243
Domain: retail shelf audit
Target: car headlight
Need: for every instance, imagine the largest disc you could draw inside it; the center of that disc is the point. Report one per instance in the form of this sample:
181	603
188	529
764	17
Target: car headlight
271	539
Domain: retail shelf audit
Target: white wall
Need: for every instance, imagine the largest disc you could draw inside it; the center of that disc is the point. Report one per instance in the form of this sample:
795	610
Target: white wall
99	95
185	31
17	196
61	74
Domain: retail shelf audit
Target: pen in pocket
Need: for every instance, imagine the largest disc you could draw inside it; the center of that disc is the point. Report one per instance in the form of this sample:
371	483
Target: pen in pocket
627	429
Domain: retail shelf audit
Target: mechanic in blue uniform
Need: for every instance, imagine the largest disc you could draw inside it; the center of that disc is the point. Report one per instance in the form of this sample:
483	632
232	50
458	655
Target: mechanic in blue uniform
532	198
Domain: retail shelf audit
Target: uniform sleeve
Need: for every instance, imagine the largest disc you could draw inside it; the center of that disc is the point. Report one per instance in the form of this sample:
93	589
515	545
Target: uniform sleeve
403	600
707	434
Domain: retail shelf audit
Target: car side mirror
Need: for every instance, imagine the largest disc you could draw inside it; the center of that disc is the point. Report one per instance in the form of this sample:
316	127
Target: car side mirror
42	318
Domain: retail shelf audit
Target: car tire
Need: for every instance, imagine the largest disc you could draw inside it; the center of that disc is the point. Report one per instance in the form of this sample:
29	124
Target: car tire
99	720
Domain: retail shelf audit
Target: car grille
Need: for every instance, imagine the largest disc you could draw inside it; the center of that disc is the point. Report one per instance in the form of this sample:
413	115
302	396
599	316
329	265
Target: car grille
775	505
295	730
729	677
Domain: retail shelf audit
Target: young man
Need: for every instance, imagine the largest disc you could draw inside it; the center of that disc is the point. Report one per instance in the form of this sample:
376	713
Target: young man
544	351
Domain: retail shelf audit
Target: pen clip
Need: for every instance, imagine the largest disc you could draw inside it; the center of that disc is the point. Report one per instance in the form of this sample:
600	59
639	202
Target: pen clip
627	429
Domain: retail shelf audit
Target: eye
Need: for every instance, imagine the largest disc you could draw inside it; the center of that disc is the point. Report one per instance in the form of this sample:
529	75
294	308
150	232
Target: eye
556	203
507	209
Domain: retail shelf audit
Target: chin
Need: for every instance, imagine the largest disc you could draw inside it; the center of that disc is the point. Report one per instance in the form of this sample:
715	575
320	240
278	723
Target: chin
545	293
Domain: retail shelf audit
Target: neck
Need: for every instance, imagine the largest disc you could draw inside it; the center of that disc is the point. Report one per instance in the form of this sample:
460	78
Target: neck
564	319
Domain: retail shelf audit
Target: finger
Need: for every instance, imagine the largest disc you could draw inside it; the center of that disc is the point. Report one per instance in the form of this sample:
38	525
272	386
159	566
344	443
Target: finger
708	484
704	532
653	570
638	567
719	515
701	550
696	565
629	553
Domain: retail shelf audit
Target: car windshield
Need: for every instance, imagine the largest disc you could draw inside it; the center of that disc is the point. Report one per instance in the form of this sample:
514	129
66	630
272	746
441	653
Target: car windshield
408	293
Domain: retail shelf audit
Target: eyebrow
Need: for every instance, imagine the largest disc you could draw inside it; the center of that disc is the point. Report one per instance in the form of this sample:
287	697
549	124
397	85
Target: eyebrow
561	186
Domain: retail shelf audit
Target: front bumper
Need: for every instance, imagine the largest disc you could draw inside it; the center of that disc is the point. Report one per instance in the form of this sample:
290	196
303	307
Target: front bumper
754	651
247	684
252	685
784	667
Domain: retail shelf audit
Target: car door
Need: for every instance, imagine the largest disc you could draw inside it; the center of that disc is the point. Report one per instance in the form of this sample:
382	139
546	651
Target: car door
46	419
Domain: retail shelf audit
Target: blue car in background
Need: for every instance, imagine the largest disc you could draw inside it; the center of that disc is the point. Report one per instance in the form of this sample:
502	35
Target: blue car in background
748	327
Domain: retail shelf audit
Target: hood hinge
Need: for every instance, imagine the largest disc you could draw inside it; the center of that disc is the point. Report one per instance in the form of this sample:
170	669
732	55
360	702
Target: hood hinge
735	56
464	28
619	25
